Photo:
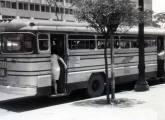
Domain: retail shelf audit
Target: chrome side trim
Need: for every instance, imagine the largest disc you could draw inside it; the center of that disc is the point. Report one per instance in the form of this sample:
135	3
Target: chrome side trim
18	90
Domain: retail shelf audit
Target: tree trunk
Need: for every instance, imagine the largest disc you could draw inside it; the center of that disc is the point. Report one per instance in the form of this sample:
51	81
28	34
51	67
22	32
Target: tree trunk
106	70
112	69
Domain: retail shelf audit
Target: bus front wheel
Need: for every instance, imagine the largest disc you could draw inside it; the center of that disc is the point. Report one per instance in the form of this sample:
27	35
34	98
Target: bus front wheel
95	85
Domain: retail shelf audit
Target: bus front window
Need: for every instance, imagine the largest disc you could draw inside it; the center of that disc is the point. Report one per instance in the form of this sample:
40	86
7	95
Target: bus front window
17	43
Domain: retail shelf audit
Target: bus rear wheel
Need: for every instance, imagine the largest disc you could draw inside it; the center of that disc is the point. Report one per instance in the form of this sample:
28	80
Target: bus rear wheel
95	85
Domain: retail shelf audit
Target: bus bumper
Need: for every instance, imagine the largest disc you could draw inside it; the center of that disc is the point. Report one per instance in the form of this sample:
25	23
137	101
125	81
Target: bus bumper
18	90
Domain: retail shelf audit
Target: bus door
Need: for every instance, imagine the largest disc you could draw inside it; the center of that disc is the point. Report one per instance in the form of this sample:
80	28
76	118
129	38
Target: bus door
58	48
160	63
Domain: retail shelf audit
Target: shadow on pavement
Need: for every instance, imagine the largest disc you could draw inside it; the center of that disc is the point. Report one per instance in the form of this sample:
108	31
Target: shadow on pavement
119	103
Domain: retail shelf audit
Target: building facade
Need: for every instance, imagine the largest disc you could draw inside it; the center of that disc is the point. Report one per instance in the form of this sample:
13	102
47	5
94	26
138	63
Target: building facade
40	9
36	9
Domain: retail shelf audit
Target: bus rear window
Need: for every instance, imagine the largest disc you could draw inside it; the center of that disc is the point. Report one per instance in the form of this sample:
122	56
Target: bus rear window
17	43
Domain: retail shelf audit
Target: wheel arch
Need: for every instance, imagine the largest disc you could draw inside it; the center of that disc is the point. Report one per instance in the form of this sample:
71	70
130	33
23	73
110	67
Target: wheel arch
101	73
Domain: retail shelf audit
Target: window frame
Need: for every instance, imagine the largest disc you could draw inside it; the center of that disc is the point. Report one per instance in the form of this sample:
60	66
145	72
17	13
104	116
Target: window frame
14	5
8	3
151	47
18	52
32	7
81	39
38	47
37	8
3	4
25	6
43	8
22	5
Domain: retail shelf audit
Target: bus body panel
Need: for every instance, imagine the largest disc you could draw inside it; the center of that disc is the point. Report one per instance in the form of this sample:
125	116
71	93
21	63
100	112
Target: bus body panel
82	64
25	73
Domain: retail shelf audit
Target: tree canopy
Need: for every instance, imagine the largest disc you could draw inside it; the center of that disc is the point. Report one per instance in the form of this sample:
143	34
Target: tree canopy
160	17
106	16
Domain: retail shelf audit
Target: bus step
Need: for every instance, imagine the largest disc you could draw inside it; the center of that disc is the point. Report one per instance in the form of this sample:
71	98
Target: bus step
60	95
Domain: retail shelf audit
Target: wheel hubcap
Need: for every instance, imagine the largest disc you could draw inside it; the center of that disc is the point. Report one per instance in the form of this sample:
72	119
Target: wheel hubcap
95	85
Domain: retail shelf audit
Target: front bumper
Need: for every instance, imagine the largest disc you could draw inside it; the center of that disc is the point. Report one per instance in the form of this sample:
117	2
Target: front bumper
18	90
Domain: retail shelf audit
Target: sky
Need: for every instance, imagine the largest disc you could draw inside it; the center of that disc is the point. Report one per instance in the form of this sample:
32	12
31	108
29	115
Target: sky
158	5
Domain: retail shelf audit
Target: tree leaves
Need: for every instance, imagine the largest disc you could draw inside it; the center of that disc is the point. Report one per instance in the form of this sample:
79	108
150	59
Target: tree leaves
109	15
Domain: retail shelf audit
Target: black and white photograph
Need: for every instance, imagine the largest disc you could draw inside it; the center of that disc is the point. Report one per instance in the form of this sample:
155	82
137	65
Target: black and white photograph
82	59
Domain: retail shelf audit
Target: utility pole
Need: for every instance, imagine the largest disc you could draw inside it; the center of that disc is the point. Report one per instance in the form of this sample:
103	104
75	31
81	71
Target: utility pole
112	70
141	84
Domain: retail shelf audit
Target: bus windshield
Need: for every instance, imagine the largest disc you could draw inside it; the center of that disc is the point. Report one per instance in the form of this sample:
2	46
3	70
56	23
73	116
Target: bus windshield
17	42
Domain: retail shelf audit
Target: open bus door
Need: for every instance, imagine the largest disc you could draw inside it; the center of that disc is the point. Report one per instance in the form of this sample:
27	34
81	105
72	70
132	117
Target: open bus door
58	48
160	63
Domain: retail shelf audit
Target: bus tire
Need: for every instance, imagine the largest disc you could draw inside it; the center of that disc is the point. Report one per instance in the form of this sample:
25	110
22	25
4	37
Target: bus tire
95	85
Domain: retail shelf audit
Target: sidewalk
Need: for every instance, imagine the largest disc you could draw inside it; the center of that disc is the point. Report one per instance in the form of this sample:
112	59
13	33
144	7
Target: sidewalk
148	105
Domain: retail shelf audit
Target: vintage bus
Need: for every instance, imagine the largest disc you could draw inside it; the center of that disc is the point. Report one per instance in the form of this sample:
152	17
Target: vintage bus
27	47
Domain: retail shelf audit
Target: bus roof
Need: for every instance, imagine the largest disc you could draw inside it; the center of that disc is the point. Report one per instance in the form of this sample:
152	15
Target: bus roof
18	25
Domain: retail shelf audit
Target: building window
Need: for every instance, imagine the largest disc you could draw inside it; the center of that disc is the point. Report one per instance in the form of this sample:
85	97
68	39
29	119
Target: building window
66	11
71	11
59	0
37	8
20	6
2	3
61	10
32	7
57	10
7	17
25	6
43	8
67	1
25	17
8	4
47	9
52	9
14	5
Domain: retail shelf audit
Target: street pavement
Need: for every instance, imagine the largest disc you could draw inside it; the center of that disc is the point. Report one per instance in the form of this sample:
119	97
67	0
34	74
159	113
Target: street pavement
129	105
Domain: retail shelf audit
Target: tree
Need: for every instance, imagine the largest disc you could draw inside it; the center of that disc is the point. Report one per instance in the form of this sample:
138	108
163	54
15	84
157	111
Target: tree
160	17
107	17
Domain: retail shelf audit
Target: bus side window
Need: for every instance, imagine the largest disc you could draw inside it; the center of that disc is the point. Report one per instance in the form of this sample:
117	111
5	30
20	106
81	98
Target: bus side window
116	44
134	44
129	42
43	42
150	42
81	42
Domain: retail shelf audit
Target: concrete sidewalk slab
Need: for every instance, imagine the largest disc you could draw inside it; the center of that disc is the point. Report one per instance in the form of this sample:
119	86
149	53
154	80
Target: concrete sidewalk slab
149	105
